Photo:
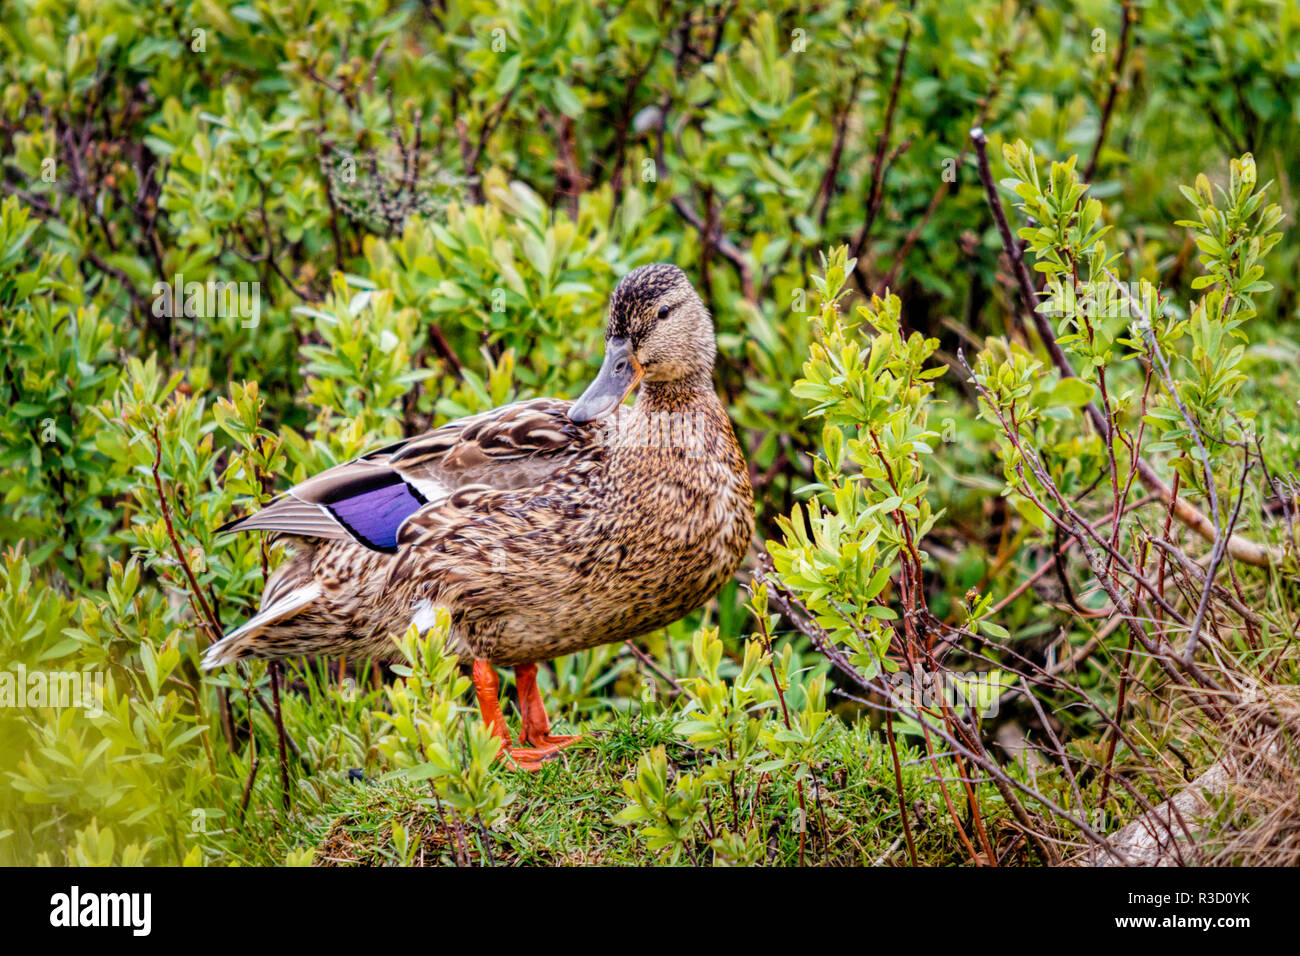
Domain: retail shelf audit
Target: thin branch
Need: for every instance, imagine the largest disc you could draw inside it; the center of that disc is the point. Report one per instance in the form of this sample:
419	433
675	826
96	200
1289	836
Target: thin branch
1129	17
274	668
210	617
826	192
725	247
876	193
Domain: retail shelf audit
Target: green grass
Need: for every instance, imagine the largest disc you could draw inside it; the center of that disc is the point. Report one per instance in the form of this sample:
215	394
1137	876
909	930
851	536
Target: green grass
565	813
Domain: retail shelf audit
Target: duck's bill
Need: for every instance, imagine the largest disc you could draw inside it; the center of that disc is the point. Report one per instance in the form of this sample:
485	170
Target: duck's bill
618	375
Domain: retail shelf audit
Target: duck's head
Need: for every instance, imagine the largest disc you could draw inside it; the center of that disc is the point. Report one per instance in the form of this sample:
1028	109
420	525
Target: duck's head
658	330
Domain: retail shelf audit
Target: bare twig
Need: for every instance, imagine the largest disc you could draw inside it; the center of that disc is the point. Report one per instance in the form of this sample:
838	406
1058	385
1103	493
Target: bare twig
274	668
898	785
826	192
725	247
210	618
1130	16
875	194
649	662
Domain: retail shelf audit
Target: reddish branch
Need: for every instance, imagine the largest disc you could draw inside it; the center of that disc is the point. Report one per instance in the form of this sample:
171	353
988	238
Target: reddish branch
876	193
625	124
274	668
1130	17
826	191
898	785
986	105
711	234
210	617
471	155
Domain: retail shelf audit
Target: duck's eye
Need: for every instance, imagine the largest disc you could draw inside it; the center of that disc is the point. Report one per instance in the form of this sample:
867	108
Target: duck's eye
663	311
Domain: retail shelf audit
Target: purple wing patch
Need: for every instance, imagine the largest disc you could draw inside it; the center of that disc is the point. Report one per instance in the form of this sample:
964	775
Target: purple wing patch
373	510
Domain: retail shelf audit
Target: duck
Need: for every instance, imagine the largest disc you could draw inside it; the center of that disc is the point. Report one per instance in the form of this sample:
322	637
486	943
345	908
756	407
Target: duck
543	527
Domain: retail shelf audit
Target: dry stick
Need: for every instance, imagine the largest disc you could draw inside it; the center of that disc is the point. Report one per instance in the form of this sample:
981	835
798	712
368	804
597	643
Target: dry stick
274	668
1001	781
1079	527
1004	59
725	247
1049	676
1169	517
1120	703
1191	568
1056	743
981	755
1005	784
880	860
1047	565
964	777
1055	681
976	815
1130	16
898	786
1216	554
947	799
827	190
909	585
1241	549
211	619
876	194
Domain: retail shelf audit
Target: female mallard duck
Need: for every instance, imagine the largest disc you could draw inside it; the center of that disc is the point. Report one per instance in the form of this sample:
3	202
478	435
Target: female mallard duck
544	527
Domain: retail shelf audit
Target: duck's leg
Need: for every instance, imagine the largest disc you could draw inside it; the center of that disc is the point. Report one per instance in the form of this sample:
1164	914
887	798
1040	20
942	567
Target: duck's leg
486	687
536	728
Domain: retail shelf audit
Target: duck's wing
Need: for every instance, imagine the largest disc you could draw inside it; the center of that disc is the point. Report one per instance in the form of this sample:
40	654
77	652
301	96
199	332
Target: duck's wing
369	498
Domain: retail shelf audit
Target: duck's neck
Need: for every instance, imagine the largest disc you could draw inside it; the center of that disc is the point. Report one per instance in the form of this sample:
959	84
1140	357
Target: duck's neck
677	394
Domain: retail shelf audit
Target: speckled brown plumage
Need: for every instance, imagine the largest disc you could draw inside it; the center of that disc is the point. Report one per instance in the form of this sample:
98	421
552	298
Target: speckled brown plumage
540	534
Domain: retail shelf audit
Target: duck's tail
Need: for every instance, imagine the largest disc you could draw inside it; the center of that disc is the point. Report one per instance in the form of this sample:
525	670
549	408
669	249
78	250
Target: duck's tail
290	590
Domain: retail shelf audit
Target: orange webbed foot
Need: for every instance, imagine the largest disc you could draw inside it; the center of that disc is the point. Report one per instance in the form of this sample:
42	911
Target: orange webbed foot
529	758
536	729
556	742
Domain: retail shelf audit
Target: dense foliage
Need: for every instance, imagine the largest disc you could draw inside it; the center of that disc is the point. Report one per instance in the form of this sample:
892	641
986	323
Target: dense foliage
240	244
